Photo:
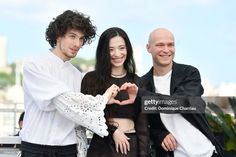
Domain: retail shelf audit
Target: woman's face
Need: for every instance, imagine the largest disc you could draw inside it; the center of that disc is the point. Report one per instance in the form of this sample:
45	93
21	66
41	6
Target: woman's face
118	51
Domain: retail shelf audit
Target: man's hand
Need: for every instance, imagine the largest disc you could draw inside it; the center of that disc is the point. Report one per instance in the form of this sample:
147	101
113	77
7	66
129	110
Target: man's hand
111	93
132	91
169	143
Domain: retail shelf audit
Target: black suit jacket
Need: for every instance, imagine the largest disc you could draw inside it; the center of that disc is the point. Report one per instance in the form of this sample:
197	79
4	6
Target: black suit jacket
185	81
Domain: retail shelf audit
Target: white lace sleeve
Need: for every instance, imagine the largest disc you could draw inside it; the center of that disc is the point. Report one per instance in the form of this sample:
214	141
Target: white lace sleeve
84	110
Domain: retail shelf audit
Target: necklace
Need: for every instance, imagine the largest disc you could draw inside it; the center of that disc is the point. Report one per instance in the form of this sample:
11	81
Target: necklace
119	76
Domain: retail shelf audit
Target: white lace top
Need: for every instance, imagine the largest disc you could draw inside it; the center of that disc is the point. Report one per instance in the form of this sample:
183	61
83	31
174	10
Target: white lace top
54	107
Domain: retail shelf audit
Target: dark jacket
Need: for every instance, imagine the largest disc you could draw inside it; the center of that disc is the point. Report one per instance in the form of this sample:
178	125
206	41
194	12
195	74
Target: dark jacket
185	81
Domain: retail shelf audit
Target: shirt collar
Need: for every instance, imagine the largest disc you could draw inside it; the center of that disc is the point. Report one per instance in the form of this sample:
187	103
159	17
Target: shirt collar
58	60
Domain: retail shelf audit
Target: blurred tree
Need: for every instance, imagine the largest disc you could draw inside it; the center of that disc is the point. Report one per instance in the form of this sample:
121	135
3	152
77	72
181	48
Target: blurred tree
78	61
83	64
7	79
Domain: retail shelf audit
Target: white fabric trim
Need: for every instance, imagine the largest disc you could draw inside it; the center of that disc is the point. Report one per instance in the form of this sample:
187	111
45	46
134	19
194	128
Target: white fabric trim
84	110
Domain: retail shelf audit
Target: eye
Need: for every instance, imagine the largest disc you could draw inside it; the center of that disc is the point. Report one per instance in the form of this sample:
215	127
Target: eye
159	45
111	50
72	36
171	45
122	48
82	39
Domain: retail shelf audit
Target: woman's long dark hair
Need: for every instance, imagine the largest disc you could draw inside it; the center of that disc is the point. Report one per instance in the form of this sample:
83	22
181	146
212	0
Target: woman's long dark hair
103	64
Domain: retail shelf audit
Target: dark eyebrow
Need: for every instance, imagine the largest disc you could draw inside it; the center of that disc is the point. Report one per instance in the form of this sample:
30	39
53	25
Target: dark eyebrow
71	33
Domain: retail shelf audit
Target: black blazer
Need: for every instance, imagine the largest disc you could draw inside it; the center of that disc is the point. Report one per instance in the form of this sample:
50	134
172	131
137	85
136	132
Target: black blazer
185	81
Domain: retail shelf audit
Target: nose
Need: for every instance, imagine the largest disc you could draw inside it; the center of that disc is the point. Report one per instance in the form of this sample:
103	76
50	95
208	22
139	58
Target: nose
115	52
166	48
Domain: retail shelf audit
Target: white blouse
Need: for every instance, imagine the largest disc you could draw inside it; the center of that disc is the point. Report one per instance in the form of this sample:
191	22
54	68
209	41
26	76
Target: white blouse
54	107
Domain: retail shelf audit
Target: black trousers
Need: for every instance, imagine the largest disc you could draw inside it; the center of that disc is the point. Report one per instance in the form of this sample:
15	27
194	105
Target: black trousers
105	147
36	150
171	154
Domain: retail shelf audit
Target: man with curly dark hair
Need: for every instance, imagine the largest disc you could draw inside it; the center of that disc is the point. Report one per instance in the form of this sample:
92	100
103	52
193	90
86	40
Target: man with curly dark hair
55	110
70	20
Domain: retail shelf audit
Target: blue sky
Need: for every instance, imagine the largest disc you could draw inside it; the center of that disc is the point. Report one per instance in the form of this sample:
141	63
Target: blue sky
204	29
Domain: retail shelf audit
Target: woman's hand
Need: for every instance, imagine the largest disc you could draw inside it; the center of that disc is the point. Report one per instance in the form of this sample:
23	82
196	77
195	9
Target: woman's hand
132	90
121	142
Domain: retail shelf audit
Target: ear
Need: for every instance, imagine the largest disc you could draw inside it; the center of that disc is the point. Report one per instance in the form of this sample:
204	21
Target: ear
148	47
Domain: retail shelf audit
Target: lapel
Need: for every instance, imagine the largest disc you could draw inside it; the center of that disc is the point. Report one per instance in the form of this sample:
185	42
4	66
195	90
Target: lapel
148	77
176	77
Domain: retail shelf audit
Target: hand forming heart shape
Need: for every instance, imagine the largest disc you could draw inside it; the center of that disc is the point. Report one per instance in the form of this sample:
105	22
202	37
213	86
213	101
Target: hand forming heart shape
124	95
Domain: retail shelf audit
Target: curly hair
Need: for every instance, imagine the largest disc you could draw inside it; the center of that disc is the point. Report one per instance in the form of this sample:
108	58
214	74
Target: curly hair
70	20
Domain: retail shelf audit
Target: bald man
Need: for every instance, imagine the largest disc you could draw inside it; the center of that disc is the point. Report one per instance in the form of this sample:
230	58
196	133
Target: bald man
179	134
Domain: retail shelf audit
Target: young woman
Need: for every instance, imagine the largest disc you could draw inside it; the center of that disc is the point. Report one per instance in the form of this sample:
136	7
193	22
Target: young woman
127	126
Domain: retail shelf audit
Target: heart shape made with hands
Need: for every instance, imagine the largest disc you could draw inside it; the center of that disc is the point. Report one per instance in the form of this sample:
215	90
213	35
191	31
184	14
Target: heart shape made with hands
122	95
127	94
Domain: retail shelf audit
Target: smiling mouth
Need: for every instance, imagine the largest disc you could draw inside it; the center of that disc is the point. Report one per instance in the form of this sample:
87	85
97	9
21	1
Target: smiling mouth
117	60
165	55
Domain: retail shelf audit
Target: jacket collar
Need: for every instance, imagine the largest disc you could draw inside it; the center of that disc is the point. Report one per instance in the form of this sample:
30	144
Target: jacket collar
176	77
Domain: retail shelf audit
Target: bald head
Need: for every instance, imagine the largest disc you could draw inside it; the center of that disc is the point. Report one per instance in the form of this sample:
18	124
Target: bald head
161	46
160	33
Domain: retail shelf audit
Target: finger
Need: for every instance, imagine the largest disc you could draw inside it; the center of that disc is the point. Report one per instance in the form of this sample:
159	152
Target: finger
126	102
173	141
117	88
125	86
114	88
168	144
124	147
163	146
129	85
116	102
121	148
114	93
117	148
128	145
